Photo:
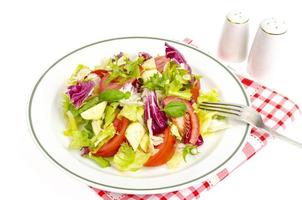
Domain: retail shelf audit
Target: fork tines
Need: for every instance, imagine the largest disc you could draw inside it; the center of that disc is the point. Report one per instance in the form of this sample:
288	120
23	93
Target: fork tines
224	108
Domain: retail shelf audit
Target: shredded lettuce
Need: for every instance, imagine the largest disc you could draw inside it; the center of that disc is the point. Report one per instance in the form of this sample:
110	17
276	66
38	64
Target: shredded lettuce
71	124
126	159
88	104
175	132
104	136
110	113
132	112
79	139
209	122
79	74
102	162
211	96
68	106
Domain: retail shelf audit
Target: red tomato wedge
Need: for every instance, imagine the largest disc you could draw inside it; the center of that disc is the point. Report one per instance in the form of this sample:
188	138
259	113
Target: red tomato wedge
195	90
166	150
113	84
160	62
112	146
189	120
100	72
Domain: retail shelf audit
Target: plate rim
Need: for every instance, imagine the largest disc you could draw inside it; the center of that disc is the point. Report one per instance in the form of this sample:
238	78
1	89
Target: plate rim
134	190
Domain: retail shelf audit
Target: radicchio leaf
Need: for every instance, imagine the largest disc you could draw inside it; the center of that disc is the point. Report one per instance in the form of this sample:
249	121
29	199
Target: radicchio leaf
152	110
145	55
85	151
199	141
173	53
79	92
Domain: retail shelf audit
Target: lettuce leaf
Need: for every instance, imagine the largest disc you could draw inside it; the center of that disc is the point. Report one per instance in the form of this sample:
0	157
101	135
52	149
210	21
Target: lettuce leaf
126	159
175	132
211	96
79	139
209	122
89	104
103	163
110	113
78	74
71	124
104	136
132	112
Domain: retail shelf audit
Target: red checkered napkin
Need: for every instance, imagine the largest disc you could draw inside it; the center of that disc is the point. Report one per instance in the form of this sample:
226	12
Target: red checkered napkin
277	111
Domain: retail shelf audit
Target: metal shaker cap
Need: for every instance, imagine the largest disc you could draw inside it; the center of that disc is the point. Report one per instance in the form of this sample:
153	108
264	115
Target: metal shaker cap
273	26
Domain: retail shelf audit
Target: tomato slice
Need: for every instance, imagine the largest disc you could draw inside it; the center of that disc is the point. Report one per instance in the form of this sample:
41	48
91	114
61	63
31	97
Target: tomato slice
190	117
195	90
160	62
113	84
100	72
112	146
166	150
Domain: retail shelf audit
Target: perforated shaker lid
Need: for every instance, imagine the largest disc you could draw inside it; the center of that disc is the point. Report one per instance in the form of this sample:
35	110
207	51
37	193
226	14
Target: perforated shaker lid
237	17
273	26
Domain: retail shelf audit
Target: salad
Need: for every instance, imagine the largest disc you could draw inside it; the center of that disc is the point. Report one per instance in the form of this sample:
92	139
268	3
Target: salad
138	111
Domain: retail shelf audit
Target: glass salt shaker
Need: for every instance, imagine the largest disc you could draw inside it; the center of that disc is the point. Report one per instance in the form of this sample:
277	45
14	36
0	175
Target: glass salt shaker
264	56
234	38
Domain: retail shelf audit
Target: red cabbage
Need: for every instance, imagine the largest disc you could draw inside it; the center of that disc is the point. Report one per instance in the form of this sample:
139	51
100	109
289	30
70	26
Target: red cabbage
152	110
79	92
173	53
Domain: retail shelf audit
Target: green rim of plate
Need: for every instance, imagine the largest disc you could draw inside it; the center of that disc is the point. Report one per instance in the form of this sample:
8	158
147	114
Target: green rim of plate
123	38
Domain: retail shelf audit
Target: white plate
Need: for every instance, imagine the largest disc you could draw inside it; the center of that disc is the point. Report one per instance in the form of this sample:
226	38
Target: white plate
47	124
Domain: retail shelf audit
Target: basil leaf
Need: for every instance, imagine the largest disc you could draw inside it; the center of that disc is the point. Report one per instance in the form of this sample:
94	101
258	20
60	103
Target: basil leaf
175	109
112	95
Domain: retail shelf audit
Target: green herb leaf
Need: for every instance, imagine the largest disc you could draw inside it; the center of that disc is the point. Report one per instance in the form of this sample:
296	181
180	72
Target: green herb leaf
155	82
112	95
173	82
189	149
175	109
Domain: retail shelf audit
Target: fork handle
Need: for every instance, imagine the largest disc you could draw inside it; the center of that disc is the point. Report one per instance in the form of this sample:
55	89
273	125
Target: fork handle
282	137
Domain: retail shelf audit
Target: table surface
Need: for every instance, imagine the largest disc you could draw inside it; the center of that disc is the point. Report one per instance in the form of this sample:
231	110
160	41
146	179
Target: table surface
36	33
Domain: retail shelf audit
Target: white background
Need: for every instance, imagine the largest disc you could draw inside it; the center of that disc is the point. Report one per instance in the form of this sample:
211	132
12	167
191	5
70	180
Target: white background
34	34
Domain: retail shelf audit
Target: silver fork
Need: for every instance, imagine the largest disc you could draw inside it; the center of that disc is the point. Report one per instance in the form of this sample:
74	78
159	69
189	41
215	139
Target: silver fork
246	114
